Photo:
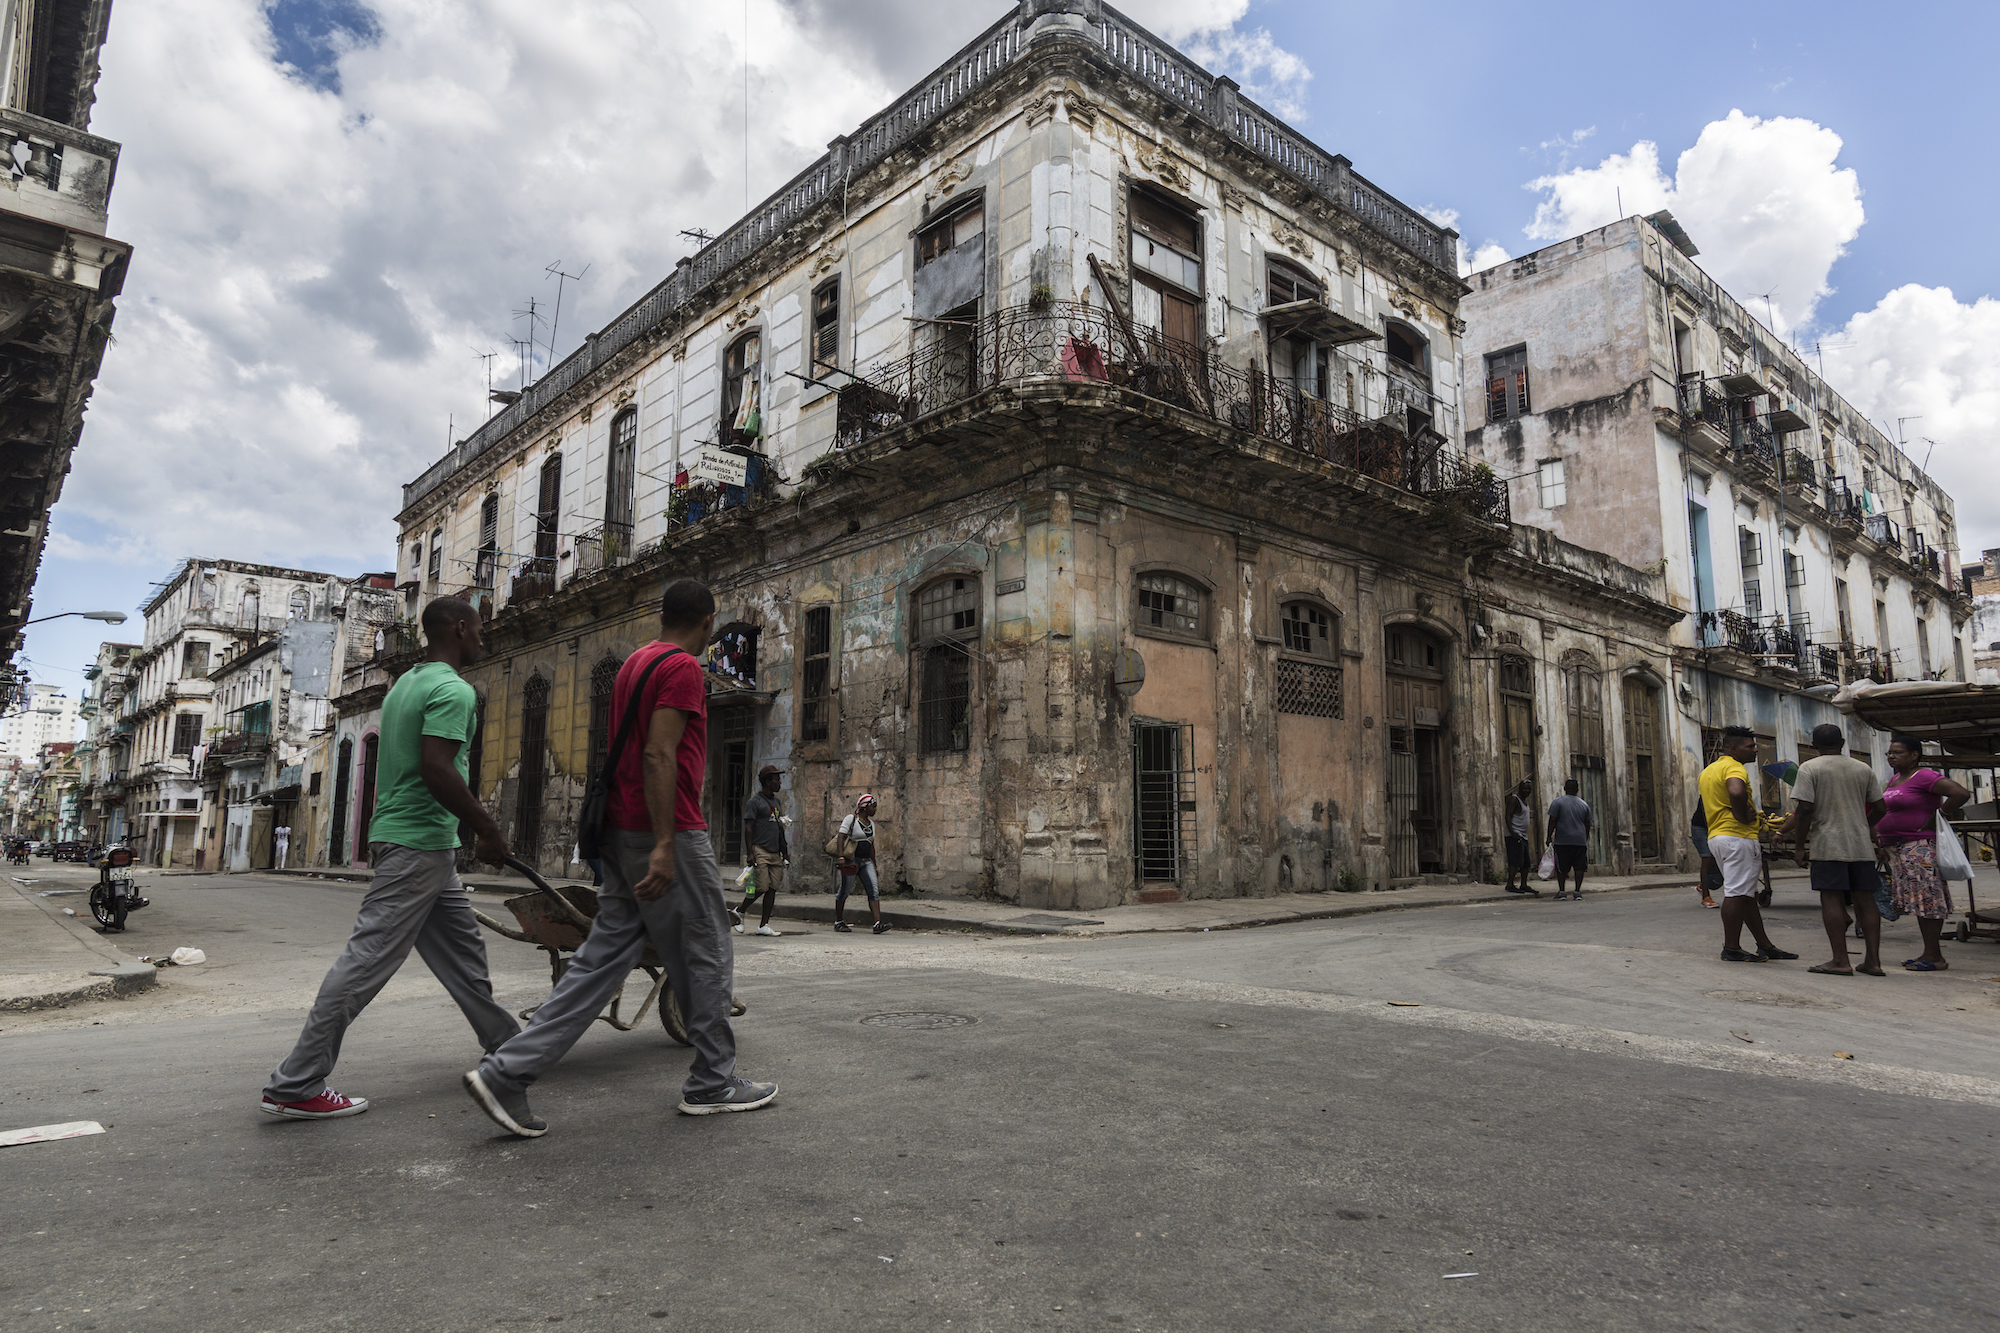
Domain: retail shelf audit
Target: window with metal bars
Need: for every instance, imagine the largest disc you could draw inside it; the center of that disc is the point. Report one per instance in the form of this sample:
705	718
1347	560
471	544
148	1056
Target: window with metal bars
947	626
602	677
826	326
534	753
816	676
944	712
436	570
1507	385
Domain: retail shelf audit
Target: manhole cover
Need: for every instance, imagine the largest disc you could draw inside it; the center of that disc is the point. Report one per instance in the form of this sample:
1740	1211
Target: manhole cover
1769	997
918	1019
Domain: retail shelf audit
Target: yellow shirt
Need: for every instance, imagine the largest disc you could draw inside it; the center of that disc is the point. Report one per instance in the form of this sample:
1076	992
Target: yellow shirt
1715	798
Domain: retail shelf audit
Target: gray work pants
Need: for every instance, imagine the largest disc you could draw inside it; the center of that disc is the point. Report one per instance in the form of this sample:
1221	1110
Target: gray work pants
415	901
689	928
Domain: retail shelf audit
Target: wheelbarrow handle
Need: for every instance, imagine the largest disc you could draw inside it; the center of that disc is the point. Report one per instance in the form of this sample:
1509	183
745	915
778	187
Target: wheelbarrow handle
576	918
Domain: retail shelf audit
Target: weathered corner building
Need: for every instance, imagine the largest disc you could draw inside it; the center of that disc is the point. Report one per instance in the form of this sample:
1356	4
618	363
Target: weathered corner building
1640	410
59	272
1075	451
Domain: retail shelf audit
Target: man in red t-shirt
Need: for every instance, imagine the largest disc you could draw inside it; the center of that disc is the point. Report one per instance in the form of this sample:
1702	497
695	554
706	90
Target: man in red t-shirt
666	889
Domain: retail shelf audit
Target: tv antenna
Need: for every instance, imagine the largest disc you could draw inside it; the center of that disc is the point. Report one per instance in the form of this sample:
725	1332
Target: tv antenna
1770	322
1899	427
534	316
555	271
486	359
698	235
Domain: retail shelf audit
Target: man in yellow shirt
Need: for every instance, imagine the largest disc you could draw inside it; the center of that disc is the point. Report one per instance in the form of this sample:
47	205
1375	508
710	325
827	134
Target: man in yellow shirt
1732	841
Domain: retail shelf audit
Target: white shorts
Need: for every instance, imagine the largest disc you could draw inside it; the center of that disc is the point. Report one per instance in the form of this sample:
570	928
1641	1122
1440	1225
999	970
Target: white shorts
1741	862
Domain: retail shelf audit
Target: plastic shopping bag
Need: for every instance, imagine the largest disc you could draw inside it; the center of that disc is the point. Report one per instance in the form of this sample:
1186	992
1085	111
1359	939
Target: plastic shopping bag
1547	869
1951	862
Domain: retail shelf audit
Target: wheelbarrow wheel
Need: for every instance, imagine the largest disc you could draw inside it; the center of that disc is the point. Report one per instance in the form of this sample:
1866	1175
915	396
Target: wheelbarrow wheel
670	1017
1763	897
1965	932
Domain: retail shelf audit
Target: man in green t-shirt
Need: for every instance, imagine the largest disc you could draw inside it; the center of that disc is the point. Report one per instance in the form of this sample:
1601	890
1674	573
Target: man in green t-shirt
415	900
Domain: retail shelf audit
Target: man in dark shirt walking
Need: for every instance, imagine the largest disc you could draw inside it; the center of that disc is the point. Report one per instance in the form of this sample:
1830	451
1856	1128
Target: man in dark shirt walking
660	883
1569	834
770	852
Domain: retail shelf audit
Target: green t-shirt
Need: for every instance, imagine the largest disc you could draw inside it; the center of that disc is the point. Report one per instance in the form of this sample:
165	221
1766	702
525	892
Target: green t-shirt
430	700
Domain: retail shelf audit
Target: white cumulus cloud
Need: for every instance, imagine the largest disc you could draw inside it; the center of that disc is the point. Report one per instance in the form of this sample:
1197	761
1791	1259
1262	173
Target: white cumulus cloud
1764	199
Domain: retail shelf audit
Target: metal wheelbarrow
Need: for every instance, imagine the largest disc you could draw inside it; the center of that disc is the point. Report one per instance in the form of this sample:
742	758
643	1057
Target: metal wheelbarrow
556	920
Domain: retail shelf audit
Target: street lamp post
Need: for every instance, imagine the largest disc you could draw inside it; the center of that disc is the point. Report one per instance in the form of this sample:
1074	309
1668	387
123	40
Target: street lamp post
108	617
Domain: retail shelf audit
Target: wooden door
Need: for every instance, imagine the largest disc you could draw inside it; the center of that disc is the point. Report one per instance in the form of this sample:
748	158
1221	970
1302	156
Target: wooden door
1642	730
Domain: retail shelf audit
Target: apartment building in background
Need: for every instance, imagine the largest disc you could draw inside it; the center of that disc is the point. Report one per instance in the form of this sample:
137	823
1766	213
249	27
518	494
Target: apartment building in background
105	750
59	272
1633	407
42	713
1075	450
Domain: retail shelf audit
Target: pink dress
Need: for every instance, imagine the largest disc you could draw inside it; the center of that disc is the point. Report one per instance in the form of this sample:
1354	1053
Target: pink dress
1908	834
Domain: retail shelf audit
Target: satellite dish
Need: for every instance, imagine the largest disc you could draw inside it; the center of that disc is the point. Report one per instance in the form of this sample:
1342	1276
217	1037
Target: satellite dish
1130	673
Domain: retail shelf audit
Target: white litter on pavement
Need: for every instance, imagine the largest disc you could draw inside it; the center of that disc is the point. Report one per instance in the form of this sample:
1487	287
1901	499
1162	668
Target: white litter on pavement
74	1129
188	957
1449	1276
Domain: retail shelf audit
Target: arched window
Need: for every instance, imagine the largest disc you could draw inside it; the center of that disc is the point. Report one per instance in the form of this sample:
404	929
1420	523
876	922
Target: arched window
249	608
534	756
299	606
603	677
1308	629
1414	652
742	399
1309	682
947	630
620	479
1583	701
1406	347
1170	606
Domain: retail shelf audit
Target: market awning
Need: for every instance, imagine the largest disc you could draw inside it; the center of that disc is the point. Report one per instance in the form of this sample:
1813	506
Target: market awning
1315	320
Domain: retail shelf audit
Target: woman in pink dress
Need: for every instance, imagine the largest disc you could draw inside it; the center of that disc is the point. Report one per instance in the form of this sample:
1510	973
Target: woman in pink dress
1907	836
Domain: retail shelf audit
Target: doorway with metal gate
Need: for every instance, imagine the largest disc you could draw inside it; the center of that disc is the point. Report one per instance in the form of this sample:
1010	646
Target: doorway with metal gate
1163	797
731	782
1415	792
1642	750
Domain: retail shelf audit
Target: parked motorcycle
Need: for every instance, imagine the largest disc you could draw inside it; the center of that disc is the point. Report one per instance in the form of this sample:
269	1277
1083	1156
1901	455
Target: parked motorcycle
114	896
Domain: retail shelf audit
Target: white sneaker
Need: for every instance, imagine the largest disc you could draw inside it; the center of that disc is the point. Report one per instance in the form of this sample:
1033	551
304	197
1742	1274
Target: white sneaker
766	930
738	927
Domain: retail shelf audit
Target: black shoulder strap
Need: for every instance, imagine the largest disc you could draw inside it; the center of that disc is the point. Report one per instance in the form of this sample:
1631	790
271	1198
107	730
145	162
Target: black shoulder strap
632	712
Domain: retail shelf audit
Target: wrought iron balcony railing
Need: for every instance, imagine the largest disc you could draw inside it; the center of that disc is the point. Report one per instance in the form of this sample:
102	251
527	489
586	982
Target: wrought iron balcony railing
1843	506
1078	343
697	501
606	547
1799	468
1883	530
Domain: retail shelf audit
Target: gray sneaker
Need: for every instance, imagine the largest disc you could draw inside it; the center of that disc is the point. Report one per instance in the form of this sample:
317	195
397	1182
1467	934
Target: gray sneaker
739	1094
508	1109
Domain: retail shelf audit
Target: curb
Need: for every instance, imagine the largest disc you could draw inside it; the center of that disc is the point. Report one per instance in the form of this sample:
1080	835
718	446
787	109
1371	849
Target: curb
104	983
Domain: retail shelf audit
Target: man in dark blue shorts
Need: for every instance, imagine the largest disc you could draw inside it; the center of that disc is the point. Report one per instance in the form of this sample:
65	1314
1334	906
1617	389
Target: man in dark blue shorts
1835	804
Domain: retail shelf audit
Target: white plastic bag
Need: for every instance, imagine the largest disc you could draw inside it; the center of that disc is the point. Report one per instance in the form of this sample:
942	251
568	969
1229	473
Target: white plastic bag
188	957
1951	862
1547	869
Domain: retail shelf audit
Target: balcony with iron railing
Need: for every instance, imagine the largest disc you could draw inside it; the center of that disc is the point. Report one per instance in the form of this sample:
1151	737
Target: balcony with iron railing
1882	530
698	500
604	547
1070	343
1799	470
1843	506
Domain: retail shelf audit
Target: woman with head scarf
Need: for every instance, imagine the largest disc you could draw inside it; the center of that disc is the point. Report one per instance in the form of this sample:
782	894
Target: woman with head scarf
1907	836
857	833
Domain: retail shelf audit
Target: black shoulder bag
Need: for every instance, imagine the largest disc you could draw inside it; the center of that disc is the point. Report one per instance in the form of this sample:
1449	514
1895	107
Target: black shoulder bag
597	797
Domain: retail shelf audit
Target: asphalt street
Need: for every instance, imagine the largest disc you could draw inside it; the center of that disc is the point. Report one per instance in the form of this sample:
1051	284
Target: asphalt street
1234	1130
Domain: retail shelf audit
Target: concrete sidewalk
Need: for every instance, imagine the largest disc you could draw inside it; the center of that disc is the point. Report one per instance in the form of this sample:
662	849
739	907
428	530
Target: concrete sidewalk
970	914
49	960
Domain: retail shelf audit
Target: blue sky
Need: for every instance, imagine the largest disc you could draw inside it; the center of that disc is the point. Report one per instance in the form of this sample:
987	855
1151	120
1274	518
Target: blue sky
298	332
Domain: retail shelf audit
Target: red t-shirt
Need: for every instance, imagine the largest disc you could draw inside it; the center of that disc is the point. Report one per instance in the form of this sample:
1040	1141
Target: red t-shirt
679	683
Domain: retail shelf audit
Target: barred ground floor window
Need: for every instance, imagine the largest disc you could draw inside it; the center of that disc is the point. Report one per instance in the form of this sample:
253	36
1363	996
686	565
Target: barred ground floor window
944	712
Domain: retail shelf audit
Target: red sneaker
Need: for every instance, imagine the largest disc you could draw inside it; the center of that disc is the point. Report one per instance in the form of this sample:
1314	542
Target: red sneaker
327	1106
